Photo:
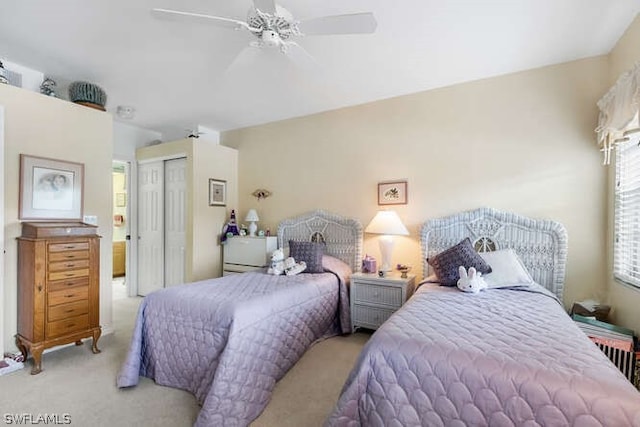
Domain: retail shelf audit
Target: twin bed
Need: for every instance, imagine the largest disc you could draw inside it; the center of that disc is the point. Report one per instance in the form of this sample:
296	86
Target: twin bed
507	356
229	340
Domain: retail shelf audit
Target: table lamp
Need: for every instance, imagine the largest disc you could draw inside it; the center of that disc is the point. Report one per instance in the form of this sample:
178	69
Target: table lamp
388	224
252	217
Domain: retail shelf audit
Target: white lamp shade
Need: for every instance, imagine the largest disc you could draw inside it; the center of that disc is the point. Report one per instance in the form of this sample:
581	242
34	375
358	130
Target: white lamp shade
252	215
387	222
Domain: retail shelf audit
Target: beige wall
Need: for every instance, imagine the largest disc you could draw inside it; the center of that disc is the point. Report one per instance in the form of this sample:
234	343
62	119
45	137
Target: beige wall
522	142
204	223
624	299
48	127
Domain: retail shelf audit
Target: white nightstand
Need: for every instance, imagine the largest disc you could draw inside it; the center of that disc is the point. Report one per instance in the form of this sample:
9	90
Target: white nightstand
243	253
374	299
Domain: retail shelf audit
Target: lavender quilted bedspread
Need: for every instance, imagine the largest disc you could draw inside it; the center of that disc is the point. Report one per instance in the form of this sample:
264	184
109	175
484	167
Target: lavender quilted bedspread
229	340
500	358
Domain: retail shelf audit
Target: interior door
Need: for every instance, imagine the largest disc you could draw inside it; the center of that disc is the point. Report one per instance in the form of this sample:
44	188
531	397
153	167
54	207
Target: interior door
150	227
175	202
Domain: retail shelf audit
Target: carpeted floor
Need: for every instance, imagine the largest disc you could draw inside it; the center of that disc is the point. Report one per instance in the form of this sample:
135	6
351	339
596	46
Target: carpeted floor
76	382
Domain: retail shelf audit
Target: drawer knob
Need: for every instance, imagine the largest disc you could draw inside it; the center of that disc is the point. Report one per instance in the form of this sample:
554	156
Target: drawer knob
69	265
69	274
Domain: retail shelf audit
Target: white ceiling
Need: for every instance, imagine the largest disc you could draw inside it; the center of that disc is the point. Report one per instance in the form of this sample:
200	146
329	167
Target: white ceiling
176	74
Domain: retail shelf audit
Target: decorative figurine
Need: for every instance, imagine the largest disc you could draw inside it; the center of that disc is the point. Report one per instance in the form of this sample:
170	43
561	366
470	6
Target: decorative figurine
230	229
47	87
3	78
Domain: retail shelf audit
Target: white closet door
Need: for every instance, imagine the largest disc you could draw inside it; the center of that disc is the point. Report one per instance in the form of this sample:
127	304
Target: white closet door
175	202
150	227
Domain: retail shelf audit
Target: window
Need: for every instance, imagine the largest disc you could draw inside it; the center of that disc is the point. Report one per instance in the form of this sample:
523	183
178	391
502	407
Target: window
626	250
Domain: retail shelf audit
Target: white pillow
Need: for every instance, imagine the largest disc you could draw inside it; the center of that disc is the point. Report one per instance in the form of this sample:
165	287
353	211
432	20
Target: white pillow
507	269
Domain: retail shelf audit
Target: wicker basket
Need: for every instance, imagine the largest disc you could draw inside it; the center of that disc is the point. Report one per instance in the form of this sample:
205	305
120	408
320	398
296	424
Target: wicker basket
88	94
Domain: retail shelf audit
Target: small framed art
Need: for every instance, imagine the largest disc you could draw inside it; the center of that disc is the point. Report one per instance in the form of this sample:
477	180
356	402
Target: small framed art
50	189
217	192
392	193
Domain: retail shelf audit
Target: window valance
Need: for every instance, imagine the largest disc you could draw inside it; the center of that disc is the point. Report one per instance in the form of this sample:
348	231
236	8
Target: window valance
619	111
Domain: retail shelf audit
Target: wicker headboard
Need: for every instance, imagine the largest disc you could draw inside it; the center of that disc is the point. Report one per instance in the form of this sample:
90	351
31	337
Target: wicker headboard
343	236
541	244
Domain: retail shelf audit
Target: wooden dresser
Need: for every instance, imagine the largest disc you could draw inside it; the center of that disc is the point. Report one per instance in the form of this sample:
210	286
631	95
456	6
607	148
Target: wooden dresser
58	287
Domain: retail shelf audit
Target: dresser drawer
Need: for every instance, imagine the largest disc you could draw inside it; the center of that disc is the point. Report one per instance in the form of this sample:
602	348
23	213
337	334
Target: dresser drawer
68	295
67	326
237	268
65	311
371	317
69	283
70	246
254	251
69	265
376	294
69	274
68	255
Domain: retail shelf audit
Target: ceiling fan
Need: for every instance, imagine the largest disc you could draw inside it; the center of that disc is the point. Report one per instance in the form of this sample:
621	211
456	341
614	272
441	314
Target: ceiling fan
274	27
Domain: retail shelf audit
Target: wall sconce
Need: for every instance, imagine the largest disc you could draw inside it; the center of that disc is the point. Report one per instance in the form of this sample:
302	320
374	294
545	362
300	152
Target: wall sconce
261	193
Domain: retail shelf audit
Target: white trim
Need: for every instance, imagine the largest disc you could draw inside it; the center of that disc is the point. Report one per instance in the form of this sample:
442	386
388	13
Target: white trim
163	158
2	250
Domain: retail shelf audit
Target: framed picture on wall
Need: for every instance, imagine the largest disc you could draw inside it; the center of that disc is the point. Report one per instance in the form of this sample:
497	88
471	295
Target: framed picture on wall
392	193
50	189
217	192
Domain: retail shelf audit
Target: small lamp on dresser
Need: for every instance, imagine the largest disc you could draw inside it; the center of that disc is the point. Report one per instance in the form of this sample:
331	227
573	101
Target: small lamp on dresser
388	224
252	217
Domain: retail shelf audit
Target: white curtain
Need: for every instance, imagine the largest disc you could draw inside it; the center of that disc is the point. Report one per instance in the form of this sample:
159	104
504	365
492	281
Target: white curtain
618	110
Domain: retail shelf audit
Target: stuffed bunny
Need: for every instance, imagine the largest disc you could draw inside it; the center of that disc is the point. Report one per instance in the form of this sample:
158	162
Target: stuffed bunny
277	263
291	267
472	282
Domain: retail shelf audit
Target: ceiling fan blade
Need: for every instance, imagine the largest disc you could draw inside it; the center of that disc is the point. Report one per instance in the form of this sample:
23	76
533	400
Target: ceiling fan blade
301	58
176	15
266	6
354	23
244	62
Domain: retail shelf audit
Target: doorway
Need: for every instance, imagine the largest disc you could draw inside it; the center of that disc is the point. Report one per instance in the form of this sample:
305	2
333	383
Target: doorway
121	219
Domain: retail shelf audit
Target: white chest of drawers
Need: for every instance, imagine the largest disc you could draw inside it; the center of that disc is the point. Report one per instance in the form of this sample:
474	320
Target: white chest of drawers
242	254
374	299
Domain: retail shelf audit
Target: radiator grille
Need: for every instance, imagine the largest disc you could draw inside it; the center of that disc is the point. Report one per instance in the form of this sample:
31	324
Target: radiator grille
15	79
624	360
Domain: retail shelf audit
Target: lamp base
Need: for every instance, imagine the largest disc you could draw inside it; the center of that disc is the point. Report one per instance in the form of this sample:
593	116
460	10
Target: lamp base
386	248
252	229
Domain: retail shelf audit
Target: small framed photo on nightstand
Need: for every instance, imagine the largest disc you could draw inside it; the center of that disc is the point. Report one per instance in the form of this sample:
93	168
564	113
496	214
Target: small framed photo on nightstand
392	193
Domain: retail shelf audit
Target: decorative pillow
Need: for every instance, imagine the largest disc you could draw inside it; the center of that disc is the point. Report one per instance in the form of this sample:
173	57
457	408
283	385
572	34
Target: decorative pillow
309	252
446	263
507	269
